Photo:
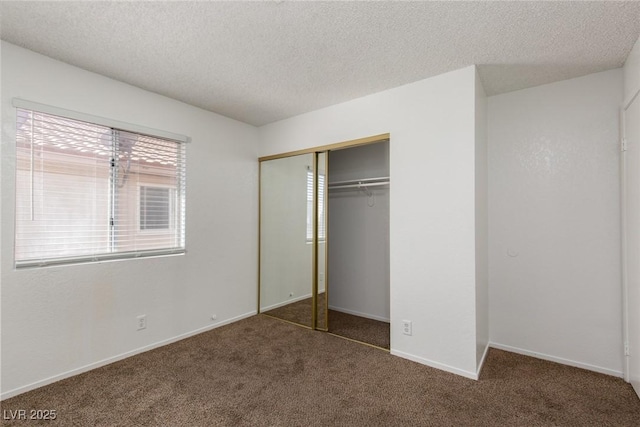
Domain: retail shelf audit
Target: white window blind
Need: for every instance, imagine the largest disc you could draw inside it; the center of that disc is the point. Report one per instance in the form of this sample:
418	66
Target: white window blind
79	192
321	216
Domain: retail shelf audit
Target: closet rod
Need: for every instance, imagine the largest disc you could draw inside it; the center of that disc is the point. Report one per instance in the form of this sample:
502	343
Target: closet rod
356	181
361	185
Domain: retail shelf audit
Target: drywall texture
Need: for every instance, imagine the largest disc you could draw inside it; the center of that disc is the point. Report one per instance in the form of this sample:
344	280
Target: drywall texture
359	233
632	73
264	61
59	320
554	221
482	224
432	205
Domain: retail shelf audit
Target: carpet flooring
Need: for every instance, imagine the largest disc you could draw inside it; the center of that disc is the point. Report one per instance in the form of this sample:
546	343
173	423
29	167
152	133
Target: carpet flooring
354	327
360	329
261	371
297	312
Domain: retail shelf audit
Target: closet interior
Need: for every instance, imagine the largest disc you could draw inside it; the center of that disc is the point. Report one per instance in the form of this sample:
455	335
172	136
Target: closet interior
324	240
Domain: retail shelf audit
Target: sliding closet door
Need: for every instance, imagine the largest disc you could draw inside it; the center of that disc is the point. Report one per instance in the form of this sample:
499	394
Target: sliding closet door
298	281
321	249
287	238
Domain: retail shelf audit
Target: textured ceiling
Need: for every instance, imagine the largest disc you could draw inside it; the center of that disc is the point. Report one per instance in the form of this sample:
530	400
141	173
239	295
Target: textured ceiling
260	62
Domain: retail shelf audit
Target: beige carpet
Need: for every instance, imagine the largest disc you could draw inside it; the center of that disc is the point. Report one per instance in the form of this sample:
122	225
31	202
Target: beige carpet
264	372
297	312
360	329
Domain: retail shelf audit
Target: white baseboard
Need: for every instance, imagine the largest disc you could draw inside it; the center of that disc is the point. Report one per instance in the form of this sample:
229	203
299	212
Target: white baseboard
437	365
282	304
484	356
107	361
357	313
556	359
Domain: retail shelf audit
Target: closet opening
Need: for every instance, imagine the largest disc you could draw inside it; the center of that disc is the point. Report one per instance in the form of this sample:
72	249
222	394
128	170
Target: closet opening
324	239
358	244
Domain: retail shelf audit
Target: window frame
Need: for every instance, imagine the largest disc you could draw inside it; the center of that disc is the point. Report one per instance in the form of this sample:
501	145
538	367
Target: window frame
179	191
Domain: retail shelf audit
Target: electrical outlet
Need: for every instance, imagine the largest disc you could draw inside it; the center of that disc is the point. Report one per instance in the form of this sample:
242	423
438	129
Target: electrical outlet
407	328
142	322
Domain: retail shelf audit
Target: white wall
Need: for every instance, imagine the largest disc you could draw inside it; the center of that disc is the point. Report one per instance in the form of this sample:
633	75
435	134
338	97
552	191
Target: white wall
359	233
60	320
632	73
482	225
554	221
631	206
432	205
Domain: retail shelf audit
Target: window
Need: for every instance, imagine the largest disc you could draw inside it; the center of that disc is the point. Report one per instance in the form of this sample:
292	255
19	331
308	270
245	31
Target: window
321	222
89	192
155	208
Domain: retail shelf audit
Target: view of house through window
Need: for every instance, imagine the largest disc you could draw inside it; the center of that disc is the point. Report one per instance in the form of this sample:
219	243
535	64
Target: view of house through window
89	192
156	208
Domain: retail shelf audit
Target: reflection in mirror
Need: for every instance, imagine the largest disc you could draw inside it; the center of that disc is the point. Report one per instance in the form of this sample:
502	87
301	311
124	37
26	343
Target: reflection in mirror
321	301
286	238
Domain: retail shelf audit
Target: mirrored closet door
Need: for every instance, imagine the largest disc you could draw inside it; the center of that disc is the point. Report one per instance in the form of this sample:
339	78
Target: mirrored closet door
287	238
324	240
322	196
